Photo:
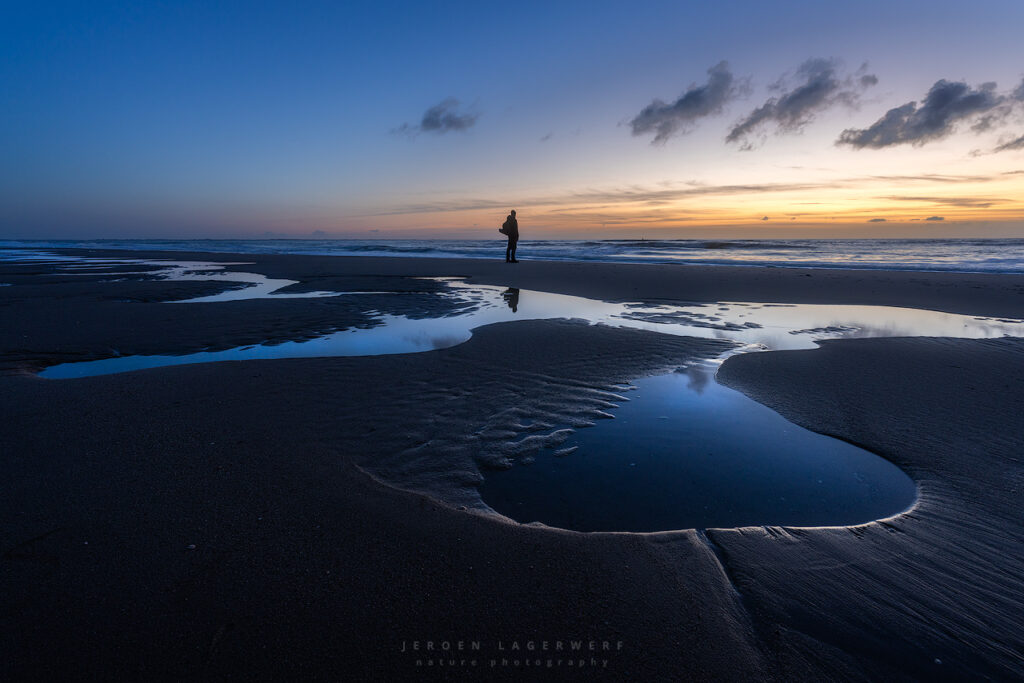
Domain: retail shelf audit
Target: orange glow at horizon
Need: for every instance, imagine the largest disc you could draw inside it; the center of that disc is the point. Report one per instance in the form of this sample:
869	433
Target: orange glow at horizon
870	208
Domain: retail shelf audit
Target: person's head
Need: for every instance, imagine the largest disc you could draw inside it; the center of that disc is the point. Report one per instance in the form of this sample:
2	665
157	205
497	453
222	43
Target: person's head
513	212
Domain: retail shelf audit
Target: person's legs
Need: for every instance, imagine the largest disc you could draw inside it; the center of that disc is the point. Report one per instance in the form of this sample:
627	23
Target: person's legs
508	251
512	244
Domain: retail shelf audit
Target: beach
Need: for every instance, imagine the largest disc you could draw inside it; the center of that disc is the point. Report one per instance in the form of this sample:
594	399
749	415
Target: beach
313	518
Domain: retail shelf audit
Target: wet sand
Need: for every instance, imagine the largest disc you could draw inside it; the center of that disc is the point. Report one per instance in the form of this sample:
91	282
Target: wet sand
231	520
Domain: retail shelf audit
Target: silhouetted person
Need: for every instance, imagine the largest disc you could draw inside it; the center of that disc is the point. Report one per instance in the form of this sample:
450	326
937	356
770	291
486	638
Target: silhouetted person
511	228
511	296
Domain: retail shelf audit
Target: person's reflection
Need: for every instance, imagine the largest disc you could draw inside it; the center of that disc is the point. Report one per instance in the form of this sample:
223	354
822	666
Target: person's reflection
511	296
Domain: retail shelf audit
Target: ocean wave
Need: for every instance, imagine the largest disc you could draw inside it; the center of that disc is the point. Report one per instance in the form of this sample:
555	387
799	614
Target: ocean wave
965	255
393	248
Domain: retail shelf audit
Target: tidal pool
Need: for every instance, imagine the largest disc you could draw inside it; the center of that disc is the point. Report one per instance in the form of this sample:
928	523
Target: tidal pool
757	326
255	285
688	453
684	452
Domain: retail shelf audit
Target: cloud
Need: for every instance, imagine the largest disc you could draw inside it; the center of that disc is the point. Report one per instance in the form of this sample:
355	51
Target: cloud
764	218
820	87
877	220
666	120
629	195
963	202
947	104
934	178
935	218
669	193
440	119
1017	143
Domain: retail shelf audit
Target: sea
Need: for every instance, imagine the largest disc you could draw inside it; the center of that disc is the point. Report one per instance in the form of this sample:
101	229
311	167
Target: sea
959	255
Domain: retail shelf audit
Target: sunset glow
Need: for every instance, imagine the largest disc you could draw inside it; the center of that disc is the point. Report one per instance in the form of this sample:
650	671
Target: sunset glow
591	119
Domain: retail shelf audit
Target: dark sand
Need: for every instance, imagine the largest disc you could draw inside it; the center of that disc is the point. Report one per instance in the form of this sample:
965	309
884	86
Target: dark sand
230	520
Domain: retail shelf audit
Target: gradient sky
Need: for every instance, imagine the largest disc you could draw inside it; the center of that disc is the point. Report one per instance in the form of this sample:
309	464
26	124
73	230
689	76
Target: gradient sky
238	119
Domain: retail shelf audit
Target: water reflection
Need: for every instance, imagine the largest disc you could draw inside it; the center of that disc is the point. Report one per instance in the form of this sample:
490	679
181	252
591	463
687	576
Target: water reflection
255	285
511	297
686	452
753	325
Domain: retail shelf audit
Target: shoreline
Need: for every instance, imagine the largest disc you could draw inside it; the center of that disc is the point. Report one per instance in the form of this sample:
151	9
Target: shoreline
484	249
988	294
216	520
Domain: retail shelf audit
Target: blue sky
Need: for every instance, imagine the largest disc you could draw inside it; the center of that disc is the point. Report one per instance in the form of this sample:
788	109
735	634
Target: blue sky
238	119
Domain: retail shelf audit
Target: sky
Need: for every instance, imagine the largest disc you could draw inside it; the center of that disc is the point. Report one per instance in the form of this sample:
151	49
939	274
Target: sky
593	119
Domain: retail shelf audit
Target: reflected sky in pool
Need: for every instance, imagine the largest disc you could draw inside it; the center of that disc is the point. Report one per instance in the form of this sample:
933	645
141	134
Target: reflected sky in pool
758	326
256	286
686	452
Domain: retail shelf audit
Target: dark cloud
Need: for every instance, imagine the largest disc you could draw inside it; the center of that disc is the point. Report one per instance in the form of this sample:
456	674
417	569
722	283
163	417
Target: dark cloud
764	218
877	220
935	218
1017	143
947	104
820	87
665	120
963	202
440	119
934	178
